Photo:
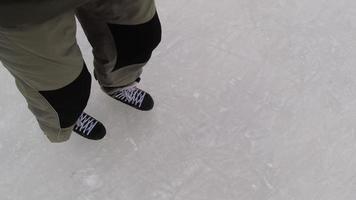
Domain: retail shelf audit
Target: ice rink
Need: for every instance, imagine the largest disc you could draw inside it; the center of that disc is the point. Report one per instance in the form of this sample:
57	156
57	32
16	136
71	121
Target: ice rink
255	100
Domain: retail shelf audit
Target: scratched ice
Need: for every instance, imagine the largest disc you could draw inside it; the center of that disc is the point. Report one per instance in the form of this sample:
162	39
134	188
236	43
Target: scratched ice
254	100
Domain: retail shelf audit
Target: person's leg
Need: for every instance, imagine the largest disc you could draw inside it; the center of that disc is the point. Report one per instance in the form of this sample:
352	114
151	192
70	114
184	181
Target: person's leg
49	71
123	34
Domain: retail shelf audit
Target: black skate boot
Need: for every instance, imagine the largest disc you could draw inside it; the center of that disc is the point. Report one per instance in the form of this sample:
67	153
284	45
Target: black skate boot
132	96
89	127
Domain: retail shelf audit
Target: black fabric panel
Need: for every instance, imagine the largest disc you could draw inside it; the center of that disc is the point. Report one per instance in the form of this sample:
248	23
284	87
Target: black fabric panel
70	101
135	43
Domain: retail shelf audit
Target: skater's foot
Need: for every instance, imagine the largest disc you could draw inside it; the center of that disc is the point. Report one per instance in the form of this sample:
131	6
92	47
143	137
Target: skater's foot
133	96
90	128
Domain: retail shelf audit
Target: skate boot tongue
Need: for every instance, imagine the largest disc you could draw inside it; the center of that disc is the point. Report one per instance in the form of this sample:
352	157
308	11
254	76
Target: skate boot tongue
90	128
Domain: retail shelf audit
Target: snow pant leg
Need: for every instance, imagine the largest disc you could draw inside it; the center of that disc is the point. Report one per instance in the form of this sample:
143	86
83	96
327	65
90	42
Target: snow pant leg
49	71
123	34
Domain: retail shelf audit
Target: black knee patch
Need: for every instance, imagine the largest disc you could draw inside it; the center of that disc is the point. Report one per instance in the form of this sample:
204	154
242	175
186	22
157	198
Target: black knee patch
135	43
70	101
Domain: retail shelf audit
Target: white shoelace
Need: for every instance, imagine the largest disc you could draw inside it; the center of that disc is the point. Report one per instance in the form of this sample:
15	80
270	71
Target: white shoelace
85	124
130	94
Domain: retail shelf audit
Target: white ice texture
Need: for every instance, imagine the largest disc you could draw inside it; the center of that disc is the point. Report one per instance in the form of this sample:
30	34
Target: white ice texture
255	100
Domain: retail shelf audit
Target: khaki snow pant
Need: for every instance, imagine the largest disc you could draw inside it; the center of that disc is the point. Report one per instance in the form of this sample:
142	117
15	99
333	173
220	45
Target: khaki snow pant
48	67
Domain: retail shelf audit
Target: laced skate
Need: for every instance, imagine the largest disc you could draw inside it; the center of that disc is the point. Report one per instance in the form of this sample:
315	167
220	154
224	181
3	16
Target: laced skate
89	127
134	97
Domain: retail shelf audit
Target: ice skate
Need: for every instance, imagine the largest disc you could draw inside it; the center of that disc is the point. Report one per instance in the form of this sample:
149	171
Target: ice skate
133	96
89	127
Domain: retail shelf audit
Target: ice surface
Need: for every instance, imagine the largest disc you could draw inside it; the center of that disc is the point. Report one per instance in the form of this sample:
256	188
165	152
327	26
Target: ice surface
254	100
